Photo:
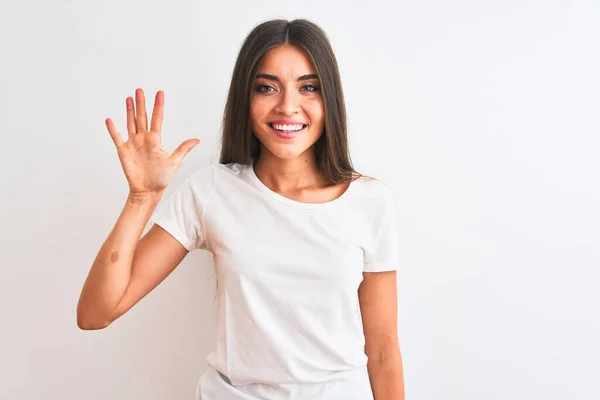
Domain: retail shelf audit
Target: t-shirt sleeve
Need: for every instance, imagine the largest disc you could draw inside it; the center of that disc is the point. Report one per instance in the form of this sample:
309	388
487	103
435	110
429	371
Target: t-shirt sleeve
383	254
182	213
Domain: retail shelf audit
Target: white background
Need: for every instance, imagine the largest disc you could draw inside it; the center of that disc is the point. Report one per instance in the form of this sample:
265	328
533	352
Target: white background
481	115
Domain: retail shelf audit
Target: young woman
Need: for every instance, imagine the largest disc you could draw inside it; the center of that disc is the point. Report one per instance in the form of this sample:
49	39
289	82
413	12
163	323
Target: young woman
305	248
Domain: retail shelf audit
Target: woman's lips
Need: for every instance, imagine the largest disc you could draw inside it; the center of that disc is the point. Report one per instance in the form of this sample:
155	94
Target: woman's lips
286	122
287	134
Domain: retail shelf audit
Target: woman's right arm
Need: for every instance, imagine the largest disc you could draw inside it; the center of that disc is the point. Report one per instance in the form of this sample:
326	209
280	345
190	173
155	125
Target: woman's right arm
126	267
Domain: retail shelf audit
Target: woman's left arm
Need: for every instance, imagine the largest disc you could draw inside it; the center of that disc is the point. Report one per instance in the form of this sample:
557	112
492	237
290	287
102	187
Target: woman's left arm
379	308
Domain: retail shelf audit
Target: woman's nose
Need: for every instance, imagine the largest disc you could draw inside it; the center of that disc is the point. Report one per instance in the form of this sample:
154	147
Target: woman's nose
289	103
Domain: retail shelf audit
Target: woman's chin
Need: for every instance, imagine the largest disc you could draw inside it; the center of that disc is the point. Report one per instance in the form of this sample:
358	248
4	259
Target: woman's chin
288	154
287	151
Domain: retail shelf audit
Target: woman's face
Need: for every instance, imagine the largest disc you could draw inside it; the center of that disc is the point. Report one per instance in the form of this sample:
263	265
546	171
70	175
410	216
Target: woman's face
286	105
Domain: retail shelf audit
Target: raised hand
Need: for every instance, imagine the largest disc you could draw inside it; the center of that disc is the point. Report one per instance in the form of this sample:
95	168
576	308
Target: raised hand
147	165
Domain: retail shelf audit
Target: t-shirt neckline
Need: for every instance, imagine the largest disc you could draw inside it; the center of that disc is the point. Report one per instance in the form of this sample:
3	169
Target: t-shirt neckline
286	200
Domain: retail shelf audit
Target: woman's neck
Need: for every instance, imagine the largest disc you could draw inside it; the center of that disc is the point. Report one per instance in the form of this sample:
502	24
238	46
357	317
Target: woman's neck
289	175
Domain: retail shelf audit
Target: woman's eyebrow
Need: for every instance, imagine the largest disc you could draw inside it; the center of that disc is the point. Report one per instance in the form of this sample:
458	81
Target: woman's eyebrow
276	79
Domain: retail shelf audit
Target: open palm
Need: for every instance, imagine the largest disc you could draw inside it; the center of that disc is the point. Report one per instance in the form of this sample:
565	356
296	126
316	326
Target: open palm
147	165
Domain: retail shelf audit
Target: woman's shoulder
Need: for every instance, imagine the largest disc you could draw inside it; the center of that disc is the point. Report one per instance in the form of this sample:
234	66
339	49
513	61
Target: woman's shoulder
214	170
202	177
231	168
374	198
219	175
371	187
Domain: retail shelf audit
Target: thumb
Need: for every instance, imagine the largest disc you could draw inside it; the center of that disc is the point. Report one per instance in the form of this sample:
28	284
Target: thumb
183	149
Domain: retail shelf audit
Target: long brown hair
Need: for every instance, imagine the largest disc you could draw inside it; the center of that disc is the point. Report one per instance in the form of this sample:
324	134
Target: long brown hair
238	142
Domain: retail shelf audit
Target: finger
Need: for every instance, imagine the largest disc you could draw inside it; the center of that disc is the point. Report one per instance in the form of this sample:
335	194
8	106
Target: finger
140	111
131	129
157	112
116	137
183	149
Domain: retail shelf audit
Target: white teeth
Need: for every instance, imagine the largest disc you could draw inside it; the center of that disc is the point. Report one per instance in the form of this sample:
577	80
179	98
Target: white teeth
287	127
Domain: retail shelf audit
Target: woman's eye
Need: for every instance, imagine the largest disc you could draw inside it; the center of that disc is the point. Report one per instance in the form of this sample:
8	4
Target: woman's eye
264	88
310	88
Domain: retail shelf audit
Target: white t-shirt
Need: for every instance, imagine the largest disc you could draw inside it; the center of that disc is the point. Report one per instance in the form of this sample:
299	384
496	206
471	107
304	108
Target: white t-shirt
289	322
